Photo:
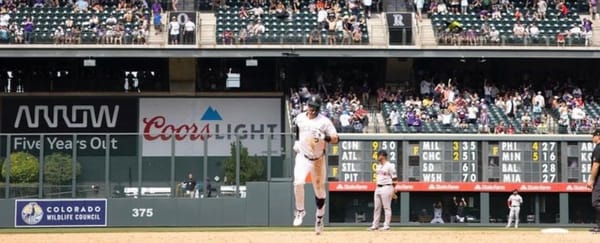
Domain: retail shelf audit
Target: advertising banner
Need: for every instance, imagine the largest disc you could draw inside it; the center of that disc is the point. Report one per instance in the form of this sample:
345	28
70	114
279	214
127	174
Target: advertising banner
214	120
69	114
60	213
463	187
64	116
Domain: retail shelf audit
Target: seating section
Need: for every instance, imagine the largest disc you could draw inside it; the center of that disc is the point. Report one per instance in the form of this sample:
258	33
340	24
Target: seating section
496	116
293	30
47	20
549	28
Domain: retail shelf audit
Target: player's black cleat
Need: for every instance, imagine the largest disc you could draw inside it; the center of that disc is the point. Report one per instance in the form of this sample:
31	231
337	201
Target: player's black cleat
595	229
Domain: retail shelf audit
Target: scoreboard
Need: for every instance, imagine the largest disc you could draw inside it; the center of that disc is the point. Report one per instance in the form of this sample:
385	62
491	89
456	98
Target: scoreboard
357	160
445	161
487	163
535	161
579	157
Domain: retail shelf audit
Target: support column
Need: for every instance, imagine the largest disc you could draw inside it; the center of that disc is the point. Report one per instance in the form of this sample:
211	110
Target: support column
537	209
484	207
182	75
404	207
563	208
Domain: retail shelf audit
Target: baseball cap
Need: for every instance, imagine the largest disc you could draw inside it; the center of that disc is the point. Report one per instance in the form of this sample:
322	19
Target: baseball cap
596	133
382	152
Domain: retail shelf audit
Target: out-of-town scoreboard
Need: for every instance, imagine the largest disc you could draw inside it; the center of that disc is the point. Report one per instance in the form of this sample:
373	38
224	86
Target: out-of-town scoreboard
467	165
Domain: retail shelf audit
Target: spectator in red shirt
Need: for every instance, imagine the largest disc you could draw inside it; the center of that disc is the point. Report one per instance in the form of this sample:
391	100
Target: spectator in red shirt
518	15
510	130
499	128
564	10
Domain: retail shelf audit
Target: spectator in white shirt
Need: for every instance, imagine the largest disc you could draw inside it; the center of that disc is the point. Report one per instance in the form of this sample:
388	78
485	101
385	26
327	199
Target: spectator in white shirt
575	31
534	31
426	87
472	111
495	35
258	12
577	114
4	19
321	16
174	27
345	121
539	98
189	29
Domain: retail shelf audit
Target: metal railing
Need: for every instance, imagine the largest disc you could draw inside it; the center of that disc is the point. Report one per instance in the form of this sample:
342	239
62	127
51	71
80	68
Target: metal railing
138	165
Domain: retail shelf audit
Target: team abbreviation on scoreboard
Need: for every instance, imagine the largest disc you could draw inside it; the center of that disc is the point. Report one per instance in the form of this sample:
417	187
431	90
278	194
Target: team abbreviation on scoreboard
350	157
585	158
511	162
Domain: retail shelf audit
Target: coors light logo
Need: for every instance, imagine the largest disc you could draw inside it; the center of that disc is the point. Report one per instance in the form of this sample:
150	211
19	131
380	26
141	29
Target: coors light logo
158	128
190	122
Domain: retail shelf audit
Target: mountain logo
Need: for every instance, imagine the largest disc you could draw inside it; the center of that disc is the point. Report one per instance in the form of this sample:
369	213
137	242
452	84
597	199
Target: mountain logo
211	115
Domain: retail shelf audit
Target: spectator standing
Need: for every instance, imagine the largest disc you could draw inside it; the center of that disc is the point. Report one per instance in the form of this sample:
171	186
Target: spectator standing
157	21
189	32
208	188
28	29
174	28
460	208
190	185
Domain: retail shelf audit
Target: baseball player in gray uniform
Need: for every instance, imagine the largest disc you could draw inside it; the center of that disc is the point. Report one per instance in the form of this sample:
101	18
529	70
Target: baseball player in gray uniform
314	131
385	190
514	204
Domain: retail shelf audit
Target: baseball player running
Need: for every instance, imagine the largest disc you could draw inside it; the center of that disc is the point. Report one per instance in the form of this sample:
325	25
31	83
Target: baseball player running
313	131
514	205
437	213
385	191
593	182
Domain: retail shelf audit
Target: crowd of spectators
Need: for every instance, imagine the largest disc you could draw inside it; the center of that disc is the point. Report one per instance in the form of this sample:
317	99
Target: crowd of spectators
524	20
346	104
65	21
343	21
557	108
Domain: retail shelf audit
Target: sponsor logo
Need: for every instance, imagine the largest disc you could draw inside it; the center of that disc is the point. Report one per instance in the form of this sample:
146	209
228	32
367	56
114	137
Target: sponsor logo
32	213
352	187
405	187
398	20
576	188
158	128
60	212
211	115
75	116
535	188
492	187
451	187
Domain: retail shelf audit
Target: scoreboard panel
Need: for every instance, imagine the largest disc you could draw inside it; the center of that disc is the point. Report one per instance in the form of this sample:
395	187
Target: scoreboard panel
579	160
448	161
516	161
358	159
545	165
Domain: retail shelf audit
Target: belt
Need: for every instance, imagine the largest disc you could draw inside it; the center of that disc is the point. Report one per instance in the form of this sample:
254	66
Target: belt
383	185
311	159
516	206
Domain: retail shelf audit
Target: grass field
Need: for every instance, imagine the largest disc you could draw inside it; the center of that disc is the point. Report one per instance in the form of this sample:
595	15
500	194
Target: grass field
294	235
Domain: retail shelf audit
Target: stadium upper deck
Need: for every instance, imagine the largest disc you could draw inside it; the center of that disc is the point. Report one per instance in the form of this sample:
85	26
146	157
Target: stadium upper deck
107	28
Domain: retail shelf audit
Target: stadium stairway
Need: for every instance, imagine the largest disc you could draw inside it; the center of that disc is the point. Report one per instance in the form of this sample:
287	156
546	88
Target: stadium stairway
376	124
427	35
160	39
377	29
595	29
208	29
